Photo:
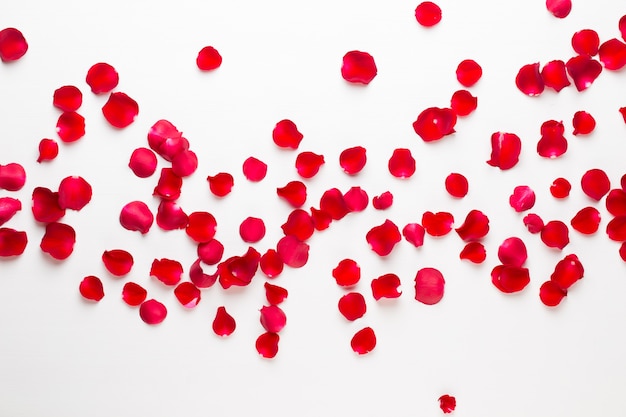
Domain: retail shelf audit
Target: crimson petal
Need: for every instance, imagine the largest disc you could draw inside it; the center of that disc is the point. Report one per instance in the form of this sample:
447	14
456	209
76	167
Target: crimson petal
58	240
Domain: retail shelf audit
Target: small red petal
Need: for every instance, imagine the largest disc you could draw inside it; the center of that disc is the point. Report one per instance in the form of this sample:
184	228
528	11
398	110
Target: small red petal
586	42
102	78
522	199
117	261
70	126
552	143
505	150
67	98
74	193
510	279
622	111
199	278
46	208
166	140
358	67
347	273
223	323
437	224
586	221
254	169
463	102
167	271
567	272
185	163
169	185
554	75
308	164
468	72
429	286
427	14
356	199
267	345
474	252
273	318
414	234
616	202
529	80
143	162
382	239
293	252
583	70
512	252
352	160
363	341
58	240
120	110
616	229
583	123
187	294
8	207
352	306
133	294
286	135
386	286
91	288
201	227
252	229
294	192
170	216
401	164
271	264
299	224
333	203
152	312
533	223
475	226
555	234
208	59
612	54
560	188
595	183
447	403
12	242
12	177
275	294
559	8
551	294
434	123
383	201
221	184
48	150
321	219
13	45
136	216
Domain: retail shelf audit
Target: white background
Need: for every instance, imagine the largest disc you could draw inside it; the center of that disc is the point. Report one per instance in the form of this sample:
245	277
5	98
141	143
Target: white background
498	354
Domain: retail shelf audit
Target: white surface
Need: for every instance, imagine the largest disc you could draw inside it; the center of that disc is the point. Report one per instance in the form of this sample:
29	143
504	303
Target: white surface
498	354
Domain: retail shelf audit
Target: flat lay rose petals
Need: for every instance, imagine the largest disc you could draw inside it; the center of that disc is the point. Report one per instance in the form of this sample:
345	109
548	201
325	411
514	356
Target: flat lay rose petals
401	164
199	278
347	273
13	45
133	294
271	263
294	192
468	72
595	184
437	224
185	163
551	294
429	286
616	229
293	252
552	143
223	324
434	123
48	150
91	288
586	220
287	135
414	234
299	224
529	80
136	216
554	75
208	59
308	164
383	238
463	102
12	176
274	293
267	345
586	42
12	242
201	227
382	201
358	67
428	14
505	150
583	70
221	184
67	98
555	234
352	160
533	223
169	185
356	199
70	127
254	169
187	294
583	123
475	226
170	216
474	252
120	110
8	208
559	8
74	193
143	162
560	188
334	204
252	229
46	208
616	202
567	272
273	318
58	240
447	403
386	286
166	140
168	271
510	279
152	312
612	54
363	341
117	261
102	78
512	252
522	199
352	306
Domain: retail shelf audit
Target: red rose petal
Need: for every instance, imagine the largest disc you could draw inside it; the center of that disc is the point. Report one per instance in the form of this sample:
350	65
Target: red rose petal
437	224
273	318
91	288
356	199
383	238
166	140
522	199
299	224
117	261
560	188
133	294
468	72
567	272
583	70
294	192
211	251
505	150
333	203
293	252
152	312
463	102
512	252
170	216
12	242
363	341
622	26
559	8
595	183
552	143
252	229
267	345
612	54
475	226
622	111
427	14
208	59
143	162
586	42
102	78
586	221
358	67
554	75
434	123
386	286
286	135
169	185
12	177
201	227
185	163
447	403
254	169
414	234
187	294
48	150
199	278
383	201
352	306
555	234
622	251
271	264
429	286
67	98
583	123
275	294
58	240
120	110
13	45
529	80
8	207
74	193
70	127
510	279
401	164
533	223
223	323
46	208
308	164
168	271
221	184
352	160
551	294
474	252
136	216
616	229
616	202
321	219
347	273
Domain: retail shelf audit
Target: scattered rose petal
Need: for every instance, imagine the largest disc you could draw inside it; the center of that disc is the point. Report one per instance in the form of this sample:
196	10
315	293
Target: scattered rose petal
117	261
616	202
120	110
252	229
363	341
429	286
321	219
12	177
275	294
58	240
267	345
427	14
356	199
447	403
254	169
358	67
187	294
308	164
468	72
512	252
286	135
552	143
48	150
583	123
560	188
386	286
294	192
414	234
143	162
554	75
201	227
347	273
333	203
586	221
555	234
136	216
595	183
529	80
437	224
475	226
168	271
185	163
622	111
273	318
199	278
533	223
401	164
352	306
169	185
221	184
91	288
583	70
612	54
12	242
170	216
166	140
383	201
382	239
434	123
67	98
208	59
463	102
70	126
102	78
616	229
133	294
223	323
567	272
8	207
551	294
13	45
293	252
46	208
474	252
559	8
586	42
522	199
299	224
271	264
622	26
74	193
352	160
510	279
505	150
622	251
152	312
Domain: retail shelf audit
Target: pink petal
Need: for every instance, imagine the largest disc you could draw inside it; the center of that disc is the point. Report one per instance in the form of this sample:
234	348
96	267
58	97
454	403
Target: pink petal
166	140
185	163
358	67
429	286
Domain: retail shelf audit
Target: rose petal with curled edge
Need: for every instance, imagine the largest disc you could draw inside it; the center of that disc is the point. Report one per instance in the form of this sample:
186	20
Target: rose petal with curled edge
559	8
91	288
308	164
12	177
102	78
48	150
475	226
117	261
70	126
612	54
474	252
168	271
46	207
529	80
74	193
208	59
363	341
334	204
447	403
271	264
133	294
554	75
386	286
58	240
67	98
187	294
120	110
505	150
551	294
201	227
428	14
358	67
522	199
170	216
254	169
512	252
414	234
533	223
347	273
567	272
463	103
429	286
12	242
293	252
223	323
437	224
321	219
401	164
583	70
510	279
583	123
555	234
468	72
169	185
586	221
586	42
383	238
152	312
252	229
239	270
267	345
616	229
356	199
143	162
299	224
286	135
185	163
616	202
221	184
136	216
560	188
352	306
352	160
434	123
8	208
383	201
595	183
273	318
275	294
199	278
294	193
13	45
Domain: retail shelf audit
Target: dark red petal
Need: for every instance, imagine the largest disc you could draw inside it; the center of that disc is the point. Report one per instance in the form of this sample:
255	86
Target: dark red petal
347	273
583	70
358	67
505	150
208	59
102	78
586	221
136	216
414	234
46	207
533	223
120	110
382	239
468	72
294	192
169	185
352	306
185	163
254	169
117	261
252	229
595	183
13	45
308	164
616	202
221	184
554	75
429	286
67	98
386	286
616	229
401	164
187	294
529	80
273	318
434	123
474	252
70	126
271	264
510	279
552	144
74	193
133	294
48	150
363	341
437	224
170	216
201	227
383	201
352	160
223	323
293	252
463	102
8	207
567	272
267	345
321	219
560	188
199	278
586	42
447	403
512	252
286	135
58	240
583	123
91	288
167	271
427	14
551	294
143	162
333	203
559	8
612	54
475	226
356	199
12	177
12	242
522	199
275	294
152	312
299	224
555	234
